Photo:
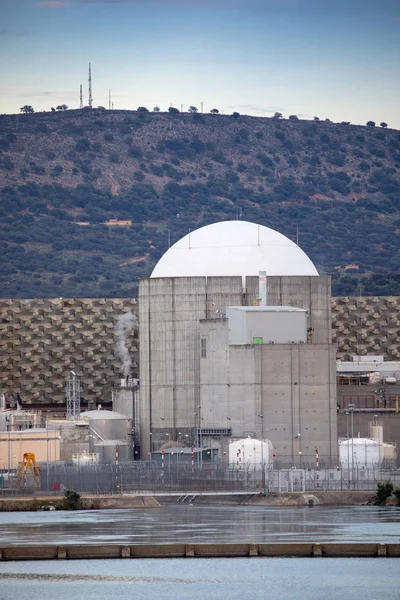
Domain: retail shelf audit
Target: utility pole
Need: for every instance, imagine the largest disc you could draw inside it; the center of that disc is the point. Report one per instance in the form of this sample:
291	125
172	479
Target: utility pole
201	104
80	98
90	87
262	453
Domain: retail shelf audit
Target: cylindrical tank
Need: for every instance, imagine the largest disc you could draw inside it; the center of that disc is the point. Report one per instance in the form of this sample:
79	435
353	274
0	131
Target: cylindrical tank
375	432
389	451
108	425
250	452
113	451
359	452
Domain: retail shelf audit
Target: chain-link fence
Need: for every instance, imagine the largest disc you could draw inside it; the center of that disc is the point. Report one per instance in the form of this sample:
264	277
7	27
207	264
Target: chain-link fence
173	477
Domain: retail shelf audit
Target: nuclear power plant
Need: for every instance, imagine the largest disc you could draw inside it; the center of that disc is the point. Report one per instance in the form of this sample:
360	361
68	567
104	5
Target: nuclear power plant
235	329
234	353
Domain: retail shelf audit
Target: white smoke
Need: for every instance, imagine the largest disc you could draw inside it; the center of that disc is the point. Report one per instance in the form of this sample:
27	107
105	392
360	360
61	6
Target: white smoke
126	325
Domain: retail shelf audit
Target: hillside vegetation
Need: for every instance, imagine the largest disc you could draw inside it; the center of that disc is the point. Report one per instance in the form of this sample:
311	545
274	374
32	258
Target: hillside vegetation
64	176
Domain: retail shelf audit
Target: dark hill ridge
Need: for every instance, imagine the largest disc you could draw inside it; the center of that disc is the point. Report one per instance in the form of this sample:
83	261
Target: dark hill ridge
336	186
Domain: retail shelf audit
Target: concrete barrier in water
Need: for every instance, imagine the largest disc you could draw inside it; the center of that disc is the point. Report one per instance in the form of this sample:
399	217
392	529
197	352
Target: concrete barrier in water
180	550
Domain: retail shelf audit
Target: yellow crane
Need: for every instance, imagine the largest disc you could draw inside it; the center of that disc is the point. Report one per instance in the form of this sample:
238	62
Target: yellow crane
28	463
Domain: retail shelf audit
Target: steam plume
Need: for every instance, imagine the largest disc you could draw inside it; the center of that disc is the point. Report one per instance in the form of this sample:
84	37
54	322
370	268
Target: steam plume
125	326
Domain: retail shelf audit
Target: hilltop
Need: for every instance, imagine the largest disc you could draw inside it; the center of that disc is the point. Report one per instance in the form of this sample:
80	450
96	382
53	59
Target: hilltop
90	199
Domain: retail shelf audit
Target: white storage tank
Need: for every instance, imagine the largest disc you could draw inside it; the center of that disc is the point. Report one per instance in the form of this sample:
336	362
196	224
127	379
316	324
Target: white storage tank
359	453
389	451
250	452
108	424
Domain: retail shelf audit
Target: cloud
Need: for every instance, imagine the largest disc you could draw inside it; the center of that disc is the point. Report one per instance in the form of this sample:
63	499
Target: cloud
45	94
52	4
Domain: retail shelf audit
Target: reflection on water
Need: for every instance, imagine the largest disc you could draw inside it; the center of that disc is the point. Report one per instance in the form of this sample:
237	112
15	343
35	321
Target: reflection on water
197	579
200	523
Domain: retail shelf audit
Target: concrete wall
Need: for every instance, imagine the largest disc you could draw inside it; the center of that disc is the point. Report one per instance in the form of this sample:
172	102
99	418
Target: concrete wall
273	392
182	391
205	550
74	438
367	325
170	310
13	445
42	340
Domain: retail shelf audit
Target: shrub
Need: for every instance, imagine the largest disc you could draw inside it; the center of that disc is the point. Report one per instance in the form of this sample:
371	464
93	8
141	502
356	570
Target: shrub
383	492
82	145
135	152
71	500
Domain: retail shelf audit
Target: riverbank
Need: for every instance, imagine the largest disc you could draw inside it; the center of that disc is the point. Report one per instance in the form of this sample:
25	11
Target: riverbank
289	499
31	504
104	502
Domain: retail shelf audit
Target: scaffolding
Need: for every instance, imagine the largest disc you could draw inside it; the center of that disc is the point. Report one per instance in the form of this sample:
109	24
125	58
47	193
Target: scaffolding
73	394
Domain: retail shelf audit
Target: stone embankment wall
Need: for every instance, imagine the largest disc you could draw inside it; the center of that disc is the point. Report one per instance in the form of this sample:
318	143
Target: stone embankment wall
301	550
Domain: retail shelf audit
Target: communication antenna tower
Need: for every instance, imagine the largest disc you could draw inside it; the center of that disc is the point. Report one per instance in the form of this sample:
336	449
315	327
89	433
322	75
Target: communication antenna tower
73	394
80	98
90	87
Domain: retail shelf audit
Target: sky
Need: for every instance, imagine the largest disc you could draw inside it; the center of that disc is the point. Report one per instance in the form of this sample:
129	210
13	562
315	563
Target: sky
336	59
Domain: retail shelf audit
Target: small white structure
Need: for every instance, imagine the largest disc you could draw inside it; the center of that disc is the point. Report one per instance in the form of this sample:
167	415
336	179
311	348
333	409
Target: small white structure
359	453
267	325
250	452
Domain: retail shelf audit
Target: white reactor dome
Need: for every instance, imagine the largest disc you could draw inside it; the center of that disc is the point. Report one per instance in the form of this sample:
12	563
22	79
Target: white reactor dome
232	248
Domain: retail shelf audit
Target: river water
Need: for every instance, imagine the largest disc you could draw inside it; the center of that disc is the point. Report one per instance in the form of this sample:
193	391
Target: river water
202	523
202	579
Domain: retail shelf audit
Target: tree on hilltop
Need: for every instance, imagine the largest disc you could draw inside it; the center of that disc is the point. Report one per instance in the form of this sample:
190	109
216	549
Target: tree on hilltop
193	109
278	115
235	115
371	124
173	110
62	107
214	111
27	109
383	124
142	109
156	109
293	118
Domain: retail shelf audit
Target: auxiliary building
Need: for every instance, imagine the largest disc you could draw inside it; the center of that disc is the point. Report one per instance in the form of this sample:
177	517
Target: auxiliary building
235	327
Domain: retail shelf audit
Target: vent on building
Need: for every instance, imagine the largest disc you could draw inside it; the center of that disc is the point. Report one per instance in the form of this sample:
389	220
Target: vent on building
216	431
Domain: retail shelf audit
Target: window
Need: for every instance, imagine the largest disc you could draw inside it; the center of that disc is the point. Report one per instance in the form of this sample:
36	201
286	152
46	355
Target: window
203	348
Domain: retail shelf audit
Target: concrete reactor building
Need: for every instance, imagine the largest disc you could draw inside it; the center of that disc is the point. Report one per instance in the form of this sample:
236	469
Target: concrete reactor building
235	342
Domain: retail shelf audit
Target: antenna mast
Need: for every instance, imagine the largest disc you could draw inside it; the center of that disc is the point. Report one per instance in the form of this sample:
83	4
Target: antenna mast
90	87
80	98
